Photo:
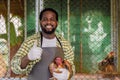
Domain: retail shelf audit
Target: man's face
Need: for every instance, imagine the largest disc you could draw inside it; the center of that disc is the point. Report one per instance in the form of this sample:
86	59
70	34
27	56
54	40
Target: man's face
48	22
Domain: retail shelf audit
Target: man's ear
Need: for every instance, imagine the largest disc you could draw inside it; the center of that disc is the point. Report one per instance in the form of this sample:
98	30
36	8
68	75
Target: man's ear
57	23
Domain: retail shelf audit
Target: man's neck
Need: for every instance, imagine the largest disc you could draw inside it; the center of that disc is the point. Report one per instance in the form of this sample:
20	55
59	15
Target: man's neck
48	36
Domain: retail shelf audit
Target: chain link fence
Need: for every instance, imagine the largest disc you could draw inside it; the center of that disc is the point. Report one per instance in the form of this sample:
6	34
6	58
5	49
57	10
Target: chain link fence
86	24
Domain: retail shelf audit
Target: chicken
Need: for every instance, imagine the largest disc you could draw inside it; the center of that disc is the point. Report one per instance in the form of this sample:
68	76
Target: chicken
60	69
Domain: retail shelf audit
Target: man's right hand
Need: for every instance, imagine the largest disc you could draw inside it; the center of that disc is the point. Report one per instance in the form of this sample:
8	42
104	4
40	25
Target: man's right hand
35	52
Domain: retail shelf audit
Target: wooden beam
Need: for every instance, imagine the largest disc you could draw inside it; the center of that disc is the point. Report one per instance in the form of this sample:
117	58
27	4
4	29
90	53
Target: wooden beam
21	4
5	4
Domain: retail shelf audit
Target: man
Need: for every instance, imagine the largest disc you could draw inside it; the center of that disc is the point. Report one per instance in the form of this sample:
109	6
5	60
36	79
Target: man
39	50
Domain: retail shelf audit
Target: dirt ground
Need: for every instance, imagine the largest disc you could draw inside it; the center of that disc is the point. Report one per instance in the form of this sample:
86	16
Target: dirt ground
79	76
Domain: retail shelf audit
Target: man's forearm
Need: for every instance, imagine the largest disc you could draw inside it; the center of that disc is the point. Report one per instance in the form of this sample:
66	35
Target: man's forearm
24	62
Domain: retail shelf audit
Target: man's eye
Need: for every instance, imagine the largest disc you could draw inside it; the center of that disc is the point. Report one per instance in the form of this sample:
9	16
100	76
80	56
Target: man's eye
44	19
53	19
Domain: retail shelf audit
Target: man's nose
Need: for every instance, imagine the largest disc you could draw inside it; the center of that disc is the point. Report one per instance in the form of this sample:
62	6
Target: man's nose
48	21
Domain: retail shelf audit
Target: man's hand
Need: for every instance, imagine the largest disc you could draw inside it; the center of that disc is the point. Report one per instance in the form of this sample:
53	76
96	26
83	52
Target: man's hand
69	67
64	75
35	52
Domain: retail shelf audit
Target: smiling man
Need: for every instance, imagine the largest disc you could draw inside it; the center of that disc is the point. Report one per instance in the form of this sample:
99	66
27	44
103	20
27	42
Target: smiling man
39	50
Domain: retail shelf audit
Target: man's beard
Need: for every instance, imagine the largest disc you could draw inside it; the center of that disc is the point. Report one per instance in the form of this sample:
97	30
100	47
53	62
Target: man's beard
48	32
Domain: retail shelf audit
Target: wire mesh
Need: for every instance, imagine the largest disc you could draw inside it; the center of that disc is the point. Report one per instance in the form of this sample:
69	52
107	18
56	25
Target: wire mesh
88	24
30	17
90	32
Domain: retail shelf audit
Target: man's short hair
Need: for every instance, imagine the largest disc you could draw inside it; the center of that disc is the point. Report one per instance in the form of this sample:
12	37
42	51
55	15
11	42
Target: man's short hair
48	9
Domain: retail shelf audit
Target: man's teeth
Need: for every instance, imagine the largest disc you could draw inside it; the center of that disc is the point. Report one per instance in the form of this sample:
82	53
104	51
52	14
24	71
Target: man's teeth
48	26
